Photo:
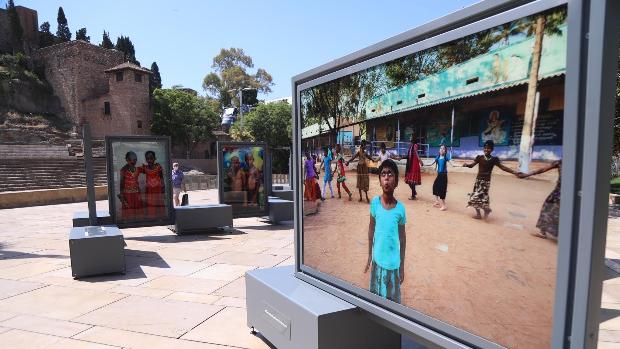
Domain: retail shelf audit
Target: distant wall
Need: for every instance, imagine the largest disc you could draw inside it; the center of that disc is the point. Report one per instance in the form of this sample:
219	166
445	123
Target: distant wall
208	166
12	199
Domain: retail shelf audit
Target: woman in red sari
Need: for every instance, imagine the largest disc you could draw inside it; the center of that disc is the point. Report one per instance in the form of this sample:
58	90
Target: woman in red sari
155	188
413	175
131	201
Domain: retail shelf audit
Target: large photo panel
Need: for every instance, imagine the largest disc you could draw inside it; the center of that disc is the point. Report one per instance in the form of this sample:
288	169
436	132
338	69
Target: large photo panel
445	198
139	180
244	175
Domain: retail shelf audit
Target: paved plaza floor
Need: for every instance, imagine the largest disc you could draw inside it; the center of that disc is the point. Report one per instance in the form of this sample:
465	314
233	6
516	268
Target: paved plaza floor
178	292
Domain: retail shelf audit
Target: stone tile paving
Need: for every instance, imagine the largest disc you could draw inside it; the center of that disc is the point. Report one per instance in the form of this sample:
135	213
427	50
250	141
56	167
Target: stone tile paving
179	291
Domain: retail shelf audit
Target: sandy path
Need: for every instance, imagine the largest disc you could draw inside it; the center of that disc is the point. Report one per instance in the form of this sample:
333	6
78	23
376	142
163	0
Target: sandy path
491	277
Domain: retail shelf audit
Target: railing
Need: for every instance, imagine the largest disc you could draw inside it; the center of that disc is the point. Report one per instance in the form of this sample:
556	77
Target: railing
398	148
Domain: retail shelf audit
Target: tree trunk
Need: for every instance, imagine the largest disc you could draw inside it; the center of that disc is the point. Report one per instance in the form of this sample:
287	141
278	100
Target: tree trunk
527	135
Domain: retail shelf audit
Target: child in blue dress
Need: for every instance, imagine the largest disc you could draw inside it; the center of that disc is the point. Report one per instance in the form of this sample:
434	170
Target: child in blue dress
386	237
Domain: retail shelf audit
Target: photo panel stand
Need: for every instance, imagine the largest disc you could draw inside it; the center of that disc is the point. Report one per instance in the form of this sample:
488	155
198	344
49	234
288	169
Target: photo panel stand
95	247
588	60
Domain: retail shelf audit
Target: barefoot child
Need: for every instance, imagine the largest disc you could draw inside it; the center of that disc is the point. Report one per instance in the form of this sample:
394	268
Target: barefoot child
548	221
386	237
340	171
479	198
362	170
327	177
413	175
440	186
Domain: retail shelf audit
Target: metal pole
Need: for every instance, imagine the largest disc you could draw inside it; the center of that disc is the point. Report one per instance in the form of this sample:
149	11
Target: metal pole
241	107
90	182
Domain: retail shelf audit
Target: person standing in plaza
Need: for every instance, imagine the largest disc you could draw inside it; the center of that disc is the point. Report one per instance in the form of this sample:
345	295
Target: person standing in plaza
310	193
178	183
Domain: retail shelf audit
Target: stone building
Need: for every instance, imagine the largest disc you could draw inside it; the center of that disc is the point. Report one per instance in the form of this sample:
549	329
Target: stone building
29	21
95	86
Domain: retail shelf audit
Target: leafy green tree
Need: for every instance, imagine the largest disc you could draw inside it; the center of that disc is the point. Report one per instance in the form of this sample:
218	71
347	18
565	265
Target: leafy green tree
272	124
106	42
154	78
124	44
230	74
62	32
81	35
46	38
186	118
16	27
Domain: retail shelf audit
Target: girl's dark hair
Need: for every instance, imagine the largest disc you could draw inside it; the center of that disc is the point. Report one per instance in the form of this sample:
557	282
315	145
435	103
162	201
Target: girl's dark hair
150	152
307	155
363	142
389	163
382	145
489	144
130	153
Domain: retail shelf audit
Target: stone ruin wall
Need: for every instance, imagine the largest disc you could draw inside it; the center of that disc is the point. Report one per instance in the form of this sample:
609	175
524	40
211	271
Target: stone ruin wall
75	70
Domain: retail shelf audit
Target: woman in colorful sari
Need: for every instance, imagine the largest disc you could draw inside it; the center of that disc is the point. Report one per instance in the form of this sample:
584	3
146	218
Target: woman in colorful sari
155	188
413	175
130	196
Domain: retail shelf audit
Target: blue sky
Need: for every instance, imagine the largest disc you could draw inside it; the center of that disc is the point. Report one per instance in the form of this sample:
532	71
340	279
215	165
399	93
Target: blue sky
284	37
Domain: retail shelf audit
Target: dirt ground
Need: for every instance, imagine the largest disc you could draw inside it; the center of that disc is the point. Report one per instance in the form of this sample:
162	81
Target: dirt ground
491	278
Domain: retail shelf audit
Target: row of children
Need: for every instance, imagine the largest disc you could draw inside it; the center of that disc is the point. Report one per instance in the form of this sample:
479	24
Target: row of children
386	228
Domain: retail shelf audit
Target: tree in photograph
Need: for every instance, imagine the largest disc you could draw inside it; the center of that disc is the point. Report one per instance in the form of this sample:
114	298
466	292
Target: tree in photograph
340	102
270	123
16	27
154	78
46	38
186	118
545	23
106	42
230	75
62	32
124	44
81	35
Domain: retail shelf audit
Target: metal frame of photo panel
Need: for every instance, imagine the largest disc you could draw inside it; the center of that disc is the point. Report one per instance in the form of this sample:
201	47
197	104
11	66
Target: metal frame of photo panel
109	166
587	143
266	175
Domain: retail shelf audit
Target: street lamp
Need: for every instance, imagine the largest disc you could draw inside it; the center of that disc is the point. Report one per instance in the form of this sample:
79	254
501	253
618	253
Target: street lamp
240	95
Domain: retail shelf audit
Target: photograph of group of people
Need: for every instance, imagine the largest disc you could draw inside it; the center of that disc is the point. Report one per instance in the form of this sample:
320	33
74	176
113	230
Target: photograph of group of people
140	181
466	230
242	176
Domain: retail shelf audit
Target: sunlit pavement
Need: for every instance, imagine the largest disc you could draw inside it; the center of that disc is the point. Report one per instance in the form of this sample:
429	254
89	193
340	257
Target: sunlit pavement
178	292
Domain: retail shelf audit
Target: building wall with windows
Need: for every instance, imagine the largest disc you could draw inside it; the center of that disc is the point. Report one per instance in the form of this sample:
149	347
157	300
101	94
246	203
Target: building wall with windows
95	86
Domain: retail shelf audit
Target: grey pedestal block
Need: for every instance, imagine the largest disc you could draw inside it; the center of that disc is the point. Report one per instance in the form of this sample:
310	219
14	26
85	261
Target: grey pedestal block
293	314
280	210
96	250
284	194
189	219
80	219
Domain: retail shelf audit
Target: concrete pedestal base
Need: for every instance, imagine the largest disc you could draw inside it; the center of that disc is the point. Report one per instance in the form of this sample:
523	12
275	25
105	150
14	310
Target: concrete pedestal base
280	210
193	219
293	314
96	250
